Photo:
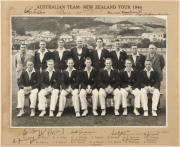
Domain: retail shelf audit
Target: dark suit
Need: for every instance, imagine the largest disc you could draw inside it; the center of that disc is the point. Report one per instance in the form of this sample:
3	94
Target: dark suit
105	80
54	82
37	62
140	60
153	81
99	63
79	63
74	80
25	82
133	80
61	64
92	81
118	64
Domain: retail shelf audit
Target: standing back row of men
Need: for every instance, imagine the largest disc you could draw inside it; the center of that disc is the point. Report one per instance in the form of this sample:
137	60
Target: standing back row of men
62	67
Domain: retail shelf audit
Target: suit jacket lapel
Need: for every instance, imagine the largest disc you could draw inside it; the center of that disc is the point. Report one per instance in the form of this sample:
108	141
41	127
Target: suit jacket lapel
137	58
132	59
116	55
47	75
154	58
102	53
44	57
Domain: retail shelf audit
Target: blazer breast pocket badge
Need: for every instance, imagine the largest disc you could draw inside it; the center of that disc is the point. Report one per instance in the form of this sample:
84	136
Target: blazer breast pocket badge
34	81
113	79
73	79
104	59
54	80
122	60
152	80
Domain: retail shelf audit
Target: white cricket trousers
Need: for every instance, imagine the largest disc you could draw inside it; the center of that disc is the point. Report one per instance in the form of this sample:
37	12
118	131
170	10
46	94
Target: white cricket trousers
117	98
83	99
75	100
43	101
21	97
137	97
155	99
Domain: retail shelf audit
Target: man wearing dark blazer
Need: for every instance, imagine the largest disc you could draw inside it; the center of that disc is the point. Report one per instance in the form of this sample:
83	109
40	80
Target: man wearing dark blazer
157	60
149	82
109	81
118	56
29	82
129	80
79	54
41	56
60	56
136	58
88	86
99	55
70	81
50	83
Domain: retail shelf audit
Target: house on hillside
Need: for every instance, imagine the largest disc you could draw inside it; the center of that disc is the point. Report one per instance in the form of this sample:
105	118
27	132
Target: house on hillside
153	37
20	39
66	37
130	39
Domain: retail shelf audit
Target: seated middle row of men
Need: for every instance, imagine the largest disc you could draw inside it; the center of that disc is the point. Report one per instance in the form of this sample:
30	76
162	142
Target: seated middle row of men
106	81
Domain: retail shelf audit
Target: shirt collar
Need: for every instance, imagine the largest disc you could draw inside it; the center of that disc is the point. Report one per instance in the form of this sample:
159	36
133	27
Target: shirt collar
31	72
44	51
48	70
150	69
106	68
136	54
68	69
131	69
90	69
62	50
98	49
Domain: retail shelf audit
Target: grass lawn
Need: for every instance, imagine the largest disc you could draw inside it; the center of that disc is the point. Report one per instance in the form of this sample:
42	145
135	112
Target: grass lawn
69	119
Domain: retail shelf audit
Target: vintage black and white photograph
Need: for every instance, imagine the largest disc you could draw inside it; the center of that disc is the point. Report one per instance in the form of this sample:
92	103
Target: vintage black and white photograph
80	71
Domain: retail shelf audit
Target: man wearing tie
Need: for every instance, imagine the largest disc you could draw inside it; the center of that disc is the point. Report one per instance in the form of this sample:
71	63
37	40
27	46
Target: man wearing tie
108	81
149	82
136	58
41	56
79	54
50	83
60	56
157	60
89	86
99	55
118	56
20	60
70	81
129	81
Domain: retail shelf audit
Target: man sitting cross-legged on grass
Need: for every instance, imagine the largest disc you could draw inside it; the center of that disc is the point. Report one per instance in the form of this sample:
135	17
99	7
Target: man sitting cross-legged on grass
149	81
129	80
29	82
89	86
50	83
70	80
109	82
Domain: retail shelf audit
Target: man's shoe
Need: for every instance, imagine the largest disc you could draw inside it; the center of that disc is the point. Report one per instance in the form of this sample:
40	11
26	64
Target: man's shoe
42	113
116	112
20	113
103	113
78	114
145	113
59	114
32	113
95	113
51	114
125	112
85	112
136	112
154	113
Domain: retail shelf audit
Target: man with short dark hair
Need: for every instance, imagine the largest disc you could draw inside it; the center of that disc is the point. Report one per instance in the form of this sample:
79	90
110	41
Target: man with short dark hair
99	55
149	82
41	56
21	59
118	56
136	58
88	86
129	80
60	56
29	82
70	81
108	81
50	83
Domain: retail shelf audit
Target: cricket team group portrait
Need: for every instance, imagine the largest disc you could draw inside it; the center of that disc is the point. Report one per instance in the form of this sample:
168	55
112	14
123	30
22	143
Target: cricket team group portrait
89	79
